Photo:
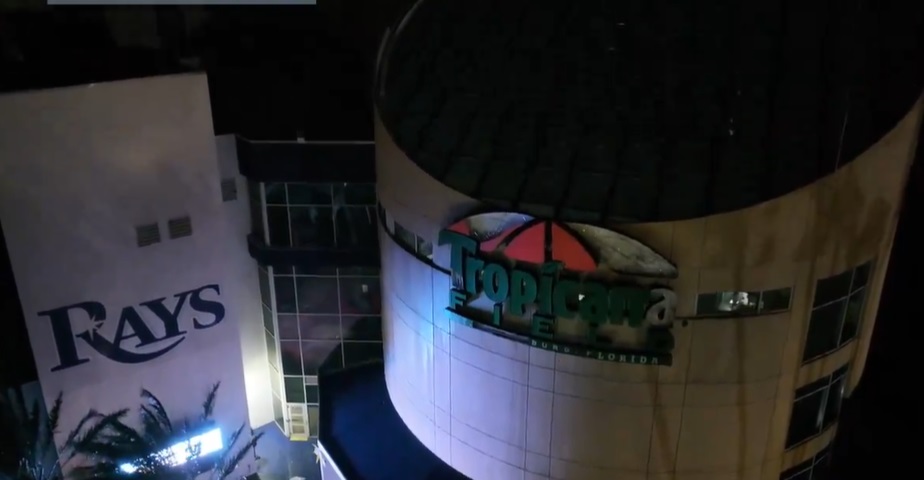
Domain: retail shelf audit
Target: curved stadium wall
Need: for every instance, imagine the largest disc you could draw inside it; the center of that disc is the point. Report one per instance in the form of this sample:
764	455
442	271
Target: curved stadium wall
754	387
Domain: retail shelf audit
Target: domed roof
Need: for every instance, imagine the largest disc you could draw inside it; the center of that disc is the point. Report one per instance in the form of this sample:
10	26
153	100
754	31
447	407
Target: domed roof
611	110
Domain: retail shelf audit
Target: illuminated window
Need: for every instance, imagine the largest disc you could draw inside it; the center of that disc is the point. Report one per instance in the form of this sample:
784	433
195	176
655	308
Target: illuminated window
815	468
816	407
321	215
743	303
836	311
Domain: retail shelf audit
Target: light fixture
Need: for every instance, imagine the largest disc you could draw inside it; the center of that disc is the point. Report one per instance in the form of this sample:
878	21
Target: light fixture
186	450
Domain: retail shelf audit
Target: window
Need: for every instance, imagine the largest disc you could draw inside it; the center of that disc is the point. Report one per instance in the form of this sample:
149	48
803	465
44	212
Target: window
743	303
319	319
147	234
412	242
836	311
816	407
321	215
815	468
179	227
228	190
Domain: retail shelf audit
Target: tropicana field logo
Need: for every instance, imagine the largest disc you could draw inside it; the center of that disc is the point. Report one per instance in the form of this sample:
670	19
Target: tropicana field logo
567	287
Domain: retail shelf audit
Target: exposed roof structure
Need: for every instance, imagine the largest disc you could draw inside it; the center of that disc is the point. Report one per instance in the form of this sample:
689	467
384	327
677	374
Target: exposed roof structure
644	110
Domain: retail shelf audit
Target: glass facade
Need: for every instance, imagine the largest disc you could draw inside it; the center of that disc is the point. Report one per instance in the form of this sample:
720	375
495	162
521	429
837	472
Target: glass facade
315	319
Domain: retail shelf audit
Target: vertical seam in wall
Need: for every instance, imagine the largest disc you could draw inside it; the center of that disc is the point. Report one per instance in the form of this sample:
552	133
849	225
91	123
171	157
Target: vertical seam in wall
651	429
552	409
683	404
529	366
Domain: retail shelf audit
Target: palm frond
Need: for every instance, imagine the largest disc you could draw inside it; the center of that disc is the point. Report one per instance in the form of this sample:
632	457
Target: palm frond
208	406
161	413
230	461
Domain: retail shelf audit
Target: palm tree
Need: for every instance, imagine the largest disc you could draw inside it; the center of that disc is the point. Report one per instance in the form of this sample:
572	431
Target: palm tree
28	450
117	450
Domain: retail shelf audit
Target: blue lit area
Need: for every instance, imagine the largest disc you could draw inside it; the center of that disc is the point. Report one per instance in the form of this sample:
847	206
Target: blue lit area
183	451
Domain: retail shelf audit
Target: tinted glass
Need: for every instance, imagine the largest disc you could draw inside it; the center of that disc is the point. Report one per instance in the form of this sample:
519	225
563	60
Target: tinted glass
285	294
405	237
356	193
360	296
309	194
861	276
275	193
256	208
277	413
275	384
288	326
319	327
832	288
295	390
853	315
359	272
268	320
834	400
824	329
291	357
277	218
314	353
264	287
271	352
424	248
803	423
356	227
312	226
362	328
311	394
707	304
316	271
774	300
317	294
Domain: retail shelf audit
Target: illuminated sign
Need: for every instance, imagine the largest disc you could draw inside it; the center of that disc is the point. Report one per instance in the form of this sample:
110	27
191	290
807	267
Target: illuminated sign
544	283
134	339
184	451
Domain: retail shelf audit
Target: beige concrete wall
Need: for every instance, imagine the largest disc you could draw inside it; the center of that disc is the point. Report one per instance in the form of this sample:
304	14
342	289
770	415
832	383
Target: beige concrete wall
496	409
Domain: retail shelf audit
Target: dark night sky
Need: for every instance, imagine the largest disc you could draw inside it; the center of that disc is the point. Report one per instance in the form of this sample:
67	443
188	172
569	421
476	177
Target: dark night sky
314	69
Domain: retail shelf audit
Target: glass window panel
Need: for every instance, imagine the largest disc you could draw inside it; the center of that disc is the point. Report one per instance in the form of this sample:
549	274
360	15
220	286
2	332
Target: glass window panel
362	328
360	296
315	353
359	272
256	208
275	384
801	472
356	227
275	193
285	294
312	226
356	193
852	316
317	294
707	304
314	421
277	219
291	357
265	295
277	413
738	302
357	353
268	320
295	390
424	248
271	352
804	421
834	400
832	288
288	327
311	394
775	300
405	237
824	330
861	276
316	271
319	327
309	194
